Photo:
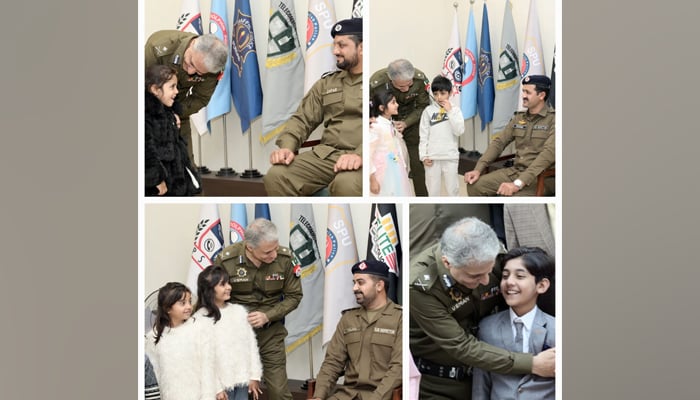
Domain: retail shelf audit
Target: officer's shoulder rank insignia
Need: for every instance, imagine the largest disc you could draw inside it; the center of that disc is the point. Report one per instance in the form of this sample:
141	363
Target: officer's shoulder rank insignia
329	73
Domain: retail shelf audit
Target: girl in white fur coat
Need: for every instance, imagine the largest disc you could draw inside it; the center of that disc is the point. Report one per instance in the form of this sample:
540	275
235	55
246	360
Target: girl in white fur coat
180	348
237	359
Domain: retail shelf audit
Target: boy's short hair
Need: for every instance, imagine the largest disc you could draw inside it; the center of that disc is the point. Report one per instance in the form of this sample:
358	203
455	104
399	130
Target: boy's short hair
440	83
537	261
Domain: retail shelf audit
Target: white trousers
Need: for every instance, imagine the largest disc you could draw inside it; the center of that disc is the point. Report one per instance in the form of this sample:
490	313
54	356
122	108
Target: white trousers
442	170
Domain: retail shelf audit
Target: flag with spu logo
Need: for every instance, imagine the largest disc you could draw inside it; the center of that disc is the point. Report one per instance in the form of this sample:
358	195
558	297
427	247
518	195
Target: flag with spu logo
208	242
507	74
190	19
452	65
319	43
220	101
341	255
245	74
551	99
485	92
469	76
238	223
532	62
384	244
307	319
284	67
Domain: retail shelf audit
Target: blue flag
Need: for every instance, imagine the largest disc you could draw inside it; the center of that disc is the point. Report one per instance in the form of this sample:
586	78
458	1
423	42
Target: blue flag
238	223
469	84
220	102
485	94
245	74
262	211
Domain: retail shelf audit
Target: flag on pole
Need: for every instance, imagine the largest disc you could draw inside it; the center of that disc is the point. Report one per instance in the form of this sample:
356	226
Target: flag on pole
306	320
485	93
341	255
532	62
208	242
238	223
190	19
262	211
383	244
452	66
245	74
551	99
469	84
220	101
319	43
357	8
508	74
284	67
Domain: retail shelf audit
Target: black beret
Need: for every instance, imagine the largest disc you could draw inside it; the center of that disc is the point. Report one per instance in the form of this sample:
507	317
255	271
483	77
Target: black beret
371	267
352	26
537	80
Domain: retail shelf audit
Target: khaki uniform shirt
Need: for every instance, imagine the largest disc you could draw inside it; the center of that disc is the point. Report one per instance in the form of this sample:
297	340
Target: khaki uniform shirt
168	48
260	288
368	351
411	103
444	316
335	101
534	144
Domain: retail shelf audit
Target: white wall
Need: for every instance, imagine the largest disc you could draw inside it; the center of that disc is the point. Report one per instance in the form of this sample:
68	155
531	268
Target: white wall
419	31
163	14
169	232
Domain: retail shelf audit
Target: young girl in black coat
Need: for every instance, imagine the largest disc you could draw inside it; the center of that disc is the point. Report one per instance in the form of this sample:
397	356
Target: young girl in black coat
168	168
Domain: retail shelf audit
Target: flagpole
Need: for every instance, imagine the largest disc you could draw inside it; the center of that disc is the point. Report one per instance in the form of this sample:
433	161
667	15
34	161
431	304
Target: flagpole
310	384
474	152
202	168
225	170
250	172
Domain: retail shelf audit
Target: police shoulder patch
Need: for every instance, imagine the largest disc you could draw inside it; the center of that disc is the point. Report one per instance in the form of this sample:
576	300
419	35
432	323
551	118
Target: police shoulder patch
227	253
329	73
284	251
350	309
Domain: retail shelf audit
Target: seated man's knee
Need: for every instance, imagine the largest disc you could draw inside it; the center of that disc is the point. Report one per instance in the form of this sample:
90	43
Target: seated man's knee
347	183
275	180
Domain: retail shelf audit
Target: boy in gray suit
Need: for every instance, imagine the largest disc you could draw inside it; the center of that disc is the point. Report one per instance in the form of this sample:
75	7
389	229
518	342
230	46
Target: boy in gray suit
527	273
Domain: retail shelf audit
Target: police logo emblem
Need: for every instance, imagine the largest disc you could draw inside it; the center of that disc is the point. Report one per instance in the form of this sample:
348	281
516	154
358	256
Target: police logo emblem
241	272
456	294
243	41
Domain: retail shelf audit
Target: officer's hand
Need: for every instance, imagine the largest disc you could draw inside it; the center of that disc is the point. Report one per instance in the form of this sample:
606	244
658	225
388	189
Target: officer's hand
162	188
177	120
507	189
281	156
427	162
221	395
348	162
254	388
400	126
256	319
543	364
471	176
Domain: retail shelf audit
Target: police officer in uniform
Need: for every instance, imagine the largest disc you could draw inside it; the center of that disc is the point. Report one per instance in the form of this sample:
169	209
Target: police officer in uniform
408	85
366	344
264	280
533	133
453	286
198	60
335	101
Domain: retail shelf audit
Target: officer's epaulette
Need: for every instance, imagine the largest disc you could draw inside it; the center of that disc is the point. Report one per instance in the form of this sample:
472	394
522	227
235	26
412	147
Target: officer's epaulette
424	282
349	309
284	251
329	73
227	253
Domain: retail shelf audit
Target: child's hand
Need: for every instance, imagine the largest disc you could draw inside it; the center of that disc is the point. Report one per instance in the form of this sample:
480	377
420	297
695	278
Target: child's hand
446	105
254	389
373	184
427	162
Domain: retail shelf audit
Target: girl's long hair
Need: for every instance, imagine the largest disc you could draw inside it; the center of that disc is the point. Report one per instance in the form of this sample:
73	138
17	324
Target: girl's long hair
206	295
168	295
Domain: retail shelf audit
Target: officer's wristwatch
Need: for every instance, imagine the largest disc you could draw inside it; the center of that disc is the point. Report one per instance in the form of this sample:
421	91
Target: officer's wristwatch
518	183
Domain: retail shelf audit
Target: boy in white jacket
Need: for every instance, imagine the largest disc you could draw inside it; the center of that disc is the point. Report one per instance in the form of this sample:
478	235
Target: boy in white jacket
441	124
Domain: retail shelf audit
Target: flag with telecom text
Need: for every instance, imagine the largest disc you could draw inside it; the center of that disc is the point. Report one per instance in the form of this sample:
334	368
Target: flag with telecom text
452	65
508	74
245	74
319	43
238	223
551	98
485	93
307	319
208	242
357	8
220	101
384	244
469	83
341	255
284	67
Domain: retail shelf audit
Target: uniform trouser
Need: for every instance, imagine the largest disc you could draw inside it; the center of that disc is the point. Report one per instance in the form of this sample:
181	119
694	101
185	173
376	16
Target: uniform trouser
434	388
488	184
274	360
442	169
308	174
417	174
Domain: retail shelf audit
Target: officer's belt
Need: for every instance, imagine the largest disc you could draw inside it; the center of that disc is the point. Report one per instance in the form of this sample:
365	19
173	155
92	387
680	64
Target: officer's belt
458	373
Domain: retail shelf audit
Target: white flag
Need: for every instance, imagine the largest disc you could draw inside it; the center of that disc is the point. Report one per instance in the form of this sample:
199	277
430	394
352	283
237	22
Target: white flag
532	62
306	320
507	76
452	65
319	43
208	242
284	67
341	255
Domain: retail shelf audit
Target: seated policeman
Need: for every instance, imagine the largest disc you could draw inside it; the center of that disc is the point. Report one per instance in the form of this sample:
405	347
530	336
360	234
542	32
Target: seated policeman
335	101
366	343
533	133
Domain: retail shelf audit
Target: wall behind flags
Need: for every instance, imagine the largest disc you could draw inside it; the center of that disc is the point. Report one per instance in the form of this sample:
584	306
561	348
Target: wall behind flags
163	14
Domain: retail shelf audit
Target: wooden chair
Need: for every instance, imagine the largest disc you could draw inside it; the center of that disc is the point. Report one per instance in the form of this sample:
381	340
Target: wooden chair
311	387
540	178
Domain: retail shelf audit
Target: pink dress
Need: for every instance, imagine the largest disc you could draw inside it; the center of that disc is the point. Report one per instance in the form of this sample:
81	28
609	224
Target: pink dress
389	162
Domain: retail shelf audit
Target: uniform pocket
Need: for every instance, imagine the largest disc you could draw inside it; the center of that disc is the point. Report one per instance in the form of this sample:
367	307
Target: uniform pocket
273	286
332	98
242	287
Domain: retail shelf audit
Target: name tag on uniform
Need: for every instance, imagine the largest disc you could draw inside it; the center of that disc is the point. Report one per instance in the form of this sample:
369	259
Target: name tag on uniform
330	90
495	291
540	127
350	330
411	95
518	126
384	330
